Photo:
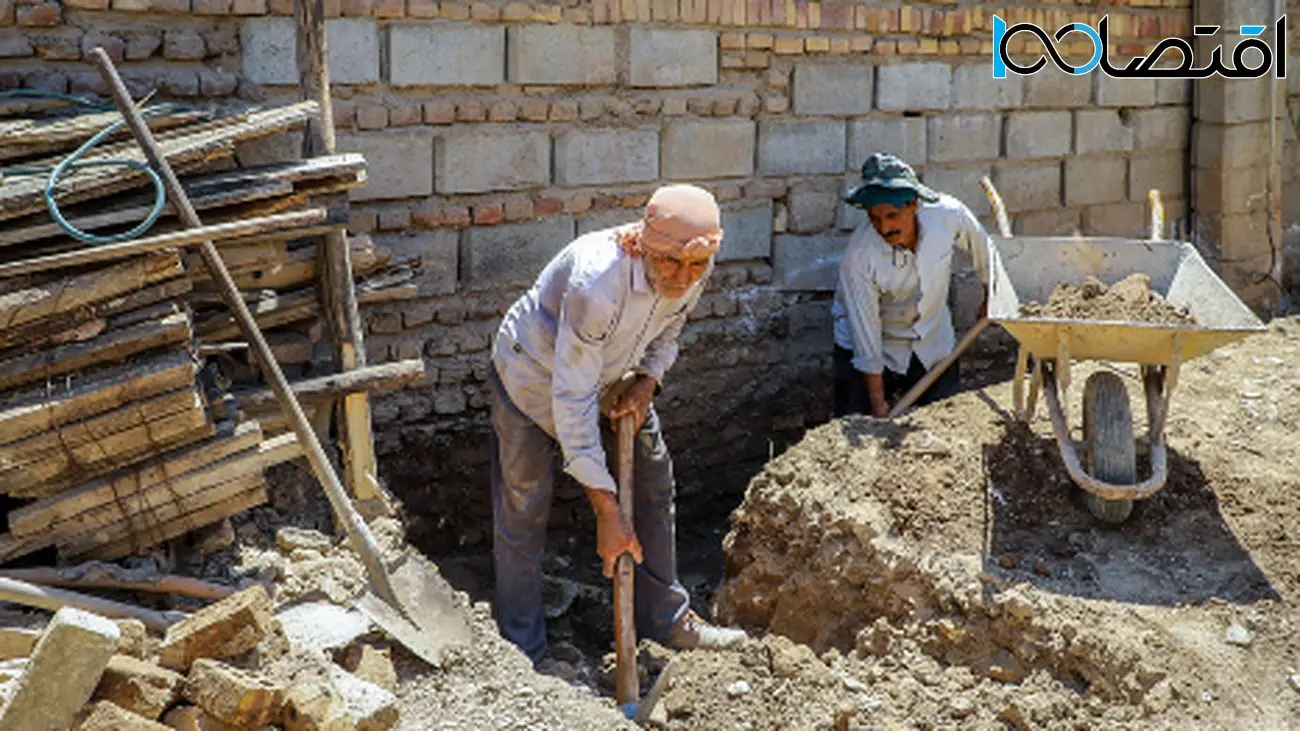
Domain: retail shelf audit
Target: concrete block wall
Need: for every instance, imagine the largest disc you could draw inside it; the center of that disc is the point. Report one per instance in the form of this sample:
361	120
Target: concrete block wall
1291	161
496	131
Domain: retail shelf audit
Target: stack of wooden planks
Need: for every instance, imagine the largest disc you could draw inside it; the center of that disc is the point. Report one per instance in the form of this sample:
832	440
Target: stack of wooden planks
121	370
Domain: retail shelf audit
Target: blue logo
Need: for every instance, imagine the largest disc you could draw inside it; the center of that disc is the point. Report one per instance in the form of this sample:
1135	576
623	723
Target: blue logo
1143	67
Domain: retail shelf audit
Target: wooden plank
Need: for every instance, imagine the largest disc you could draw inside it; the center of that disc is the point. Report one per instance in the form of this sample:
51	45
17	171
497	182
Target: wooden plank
121	517
197	143
28	137
80	396
187	237
35	519
300	267
75	292
118	345
331	387
244	258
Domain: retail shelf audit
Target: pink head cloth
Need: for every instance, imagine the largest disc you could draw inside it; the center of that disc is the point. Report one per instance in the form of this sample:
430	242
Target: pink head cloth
679	220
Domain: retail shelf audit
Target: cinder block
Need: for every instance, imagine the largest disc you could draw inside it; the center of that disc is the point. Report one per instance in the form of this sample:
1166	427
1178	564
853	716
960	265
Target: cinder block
1058	222
1029	186
705	149
901	136
226	629
962	183
807	263
399	163
1166	172
660	57
833	90
446	55
1230	190
1038	134
1178	91
812	208
270	50
1163	128
439	252
485	161
847	217
593	156
1102	130
747	230
973	87
1117	219
1090	181
800	147
1112	92
607	219
1050	88
63	671
1232	101
914	86
1231	145
964	137
512	255
561	55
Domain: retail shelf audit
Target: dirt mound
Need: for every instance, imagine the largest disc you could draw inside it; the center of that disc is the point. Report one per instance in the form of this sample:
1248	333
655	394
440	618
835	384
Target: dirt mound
943	570
1128	300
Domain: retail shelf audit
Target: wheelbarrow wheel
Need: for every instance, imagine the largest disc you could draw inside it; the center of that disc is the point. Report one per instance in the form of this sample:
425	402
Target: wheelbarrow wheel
1112	452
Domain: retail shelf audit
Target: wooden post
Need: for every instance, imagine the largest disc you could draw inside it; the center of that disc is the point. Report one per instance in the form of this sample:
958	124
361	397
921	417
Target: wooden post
337	293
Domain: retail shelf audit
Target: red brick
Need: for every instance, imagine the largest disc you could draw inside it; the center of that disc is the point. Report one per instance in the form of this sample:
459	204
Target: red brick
565	111
169	7
390	9
280	7
778	13
357	8
484	13
58	46
57	82
441	216
183	45
221	42
534	110
547	206
362	222
372	116
502	111
439	112
578	204
398	219
115	47
248	7
487	214
44	15
217	83
77	5
211	7
472	111
345	115
182	83
404	115
427	9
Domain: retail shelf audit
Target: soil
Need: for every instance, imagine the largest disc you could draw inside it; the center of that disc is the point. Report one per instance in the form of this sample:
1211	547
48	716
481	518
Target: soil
1128	300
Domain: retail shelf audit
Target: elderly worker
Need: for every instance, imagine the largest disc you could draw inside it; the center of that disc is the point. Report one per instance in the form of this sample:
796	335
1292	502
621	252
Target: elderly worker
891	316
605	312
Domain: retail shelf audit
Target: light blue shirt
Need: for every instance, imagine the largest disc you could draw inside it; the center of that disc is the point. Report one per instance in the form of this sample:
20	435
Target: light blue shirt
890	302
591	317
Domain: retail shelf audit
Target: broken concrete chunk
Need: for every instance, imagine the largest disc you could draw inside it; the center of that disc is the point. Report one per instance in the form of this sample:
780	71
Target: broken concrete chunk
288	538
227	629
370	708
64	669
322	626
17	642
135	641
193	718
105	716
138	686
315	707
233	695
372	664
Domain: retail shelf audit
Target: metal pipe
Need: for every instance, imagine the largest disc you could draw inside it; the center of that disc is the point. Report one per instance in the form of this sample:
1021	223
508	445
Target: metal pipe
1275	170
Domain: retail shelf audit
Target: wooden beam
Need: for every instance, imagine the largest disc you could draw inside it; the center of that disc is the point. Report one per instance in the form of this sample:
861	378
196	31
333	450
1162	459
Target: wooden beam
331	387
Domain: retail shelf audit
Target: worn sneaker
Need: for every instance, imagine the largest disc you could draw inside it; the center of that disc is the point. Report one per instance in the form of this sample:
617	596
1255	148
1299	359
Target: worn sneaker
692	632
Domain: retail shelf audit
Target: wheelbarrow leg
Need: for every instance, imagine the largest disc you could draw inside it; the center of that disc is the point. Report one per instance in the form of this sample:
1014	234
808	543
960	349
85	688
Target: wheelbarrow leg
1035	385
1018	385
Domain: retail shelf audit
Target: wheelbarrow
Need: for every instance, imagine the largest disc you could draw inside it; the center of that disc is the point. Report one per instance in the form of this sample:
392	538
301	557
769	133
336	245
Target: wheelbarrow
1024	269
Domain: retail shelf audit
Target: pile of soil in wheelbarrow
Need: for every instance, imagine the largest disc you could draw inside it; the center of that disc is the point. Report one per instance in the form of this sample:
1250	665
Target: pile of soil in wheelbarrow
1128	300
941	571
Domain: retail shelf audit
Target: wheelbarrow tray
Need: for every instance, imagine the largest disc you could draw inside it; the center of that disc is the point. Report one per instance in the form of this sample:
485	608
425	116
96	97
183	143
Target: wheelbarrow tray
1025	269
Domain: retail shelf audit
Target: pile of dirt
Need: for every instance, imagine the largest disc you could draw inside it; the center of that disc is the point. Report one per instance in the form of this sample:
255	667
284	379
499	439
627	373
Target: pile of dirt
1128	300
941	570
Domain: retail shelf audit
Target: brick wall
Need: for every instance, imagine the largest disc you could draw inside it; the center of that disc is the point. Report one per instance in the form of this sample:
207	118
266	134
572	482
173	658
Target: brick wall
1291	158
497	131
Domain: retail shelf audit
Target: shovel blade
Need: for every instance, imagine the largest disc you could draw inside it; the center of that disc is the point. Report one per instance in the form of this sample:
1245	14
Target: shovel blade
427	622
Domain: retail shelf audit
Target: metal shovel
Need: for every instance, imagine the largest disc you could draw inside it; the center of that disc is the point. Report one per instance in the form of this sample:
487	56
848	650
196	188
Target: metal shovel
415	605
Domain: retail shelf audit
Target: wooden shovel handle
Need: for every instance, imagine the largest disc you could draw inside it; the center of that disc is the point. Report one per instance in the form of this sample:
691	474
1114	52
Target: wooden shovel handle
626	682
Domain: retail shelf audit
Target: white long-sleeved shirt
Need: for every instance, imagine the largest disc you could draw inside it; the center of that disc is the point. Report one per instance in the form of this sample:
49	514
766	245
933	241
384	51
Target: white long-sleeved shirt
890	302
591	317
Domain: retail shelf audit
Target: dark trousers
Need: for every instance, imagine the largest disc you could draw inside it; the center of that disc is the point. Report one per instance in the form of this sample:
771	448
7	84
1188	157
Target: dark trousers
851	387
523	481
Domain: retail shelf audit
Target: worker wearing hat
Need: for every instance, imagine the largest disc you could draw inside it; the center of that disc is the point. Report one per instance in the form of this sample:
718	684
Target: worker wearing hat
891	317
590	342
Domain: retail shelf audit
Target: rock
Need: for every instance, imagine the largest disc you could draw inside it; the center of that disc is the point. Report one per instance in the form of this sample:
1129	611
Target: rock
212	538
135	640
1238	635
322	626
960	706
370	708
193	718
289	538
1295	682
1007	561
791	660
373	665
236	696
1006	668
105	716
17	642
303	555
227	629
65	667
137	686
738	689
315	707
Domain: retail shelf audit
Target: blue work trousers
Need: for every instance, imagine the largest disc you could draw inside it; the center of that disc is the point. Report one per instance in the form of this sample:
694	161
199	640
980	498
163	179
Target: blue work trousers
523	480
